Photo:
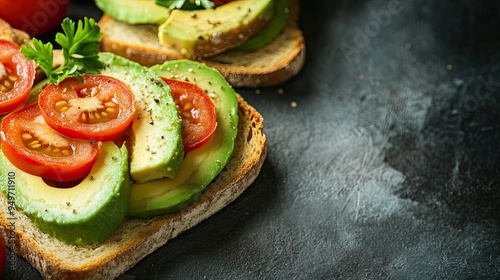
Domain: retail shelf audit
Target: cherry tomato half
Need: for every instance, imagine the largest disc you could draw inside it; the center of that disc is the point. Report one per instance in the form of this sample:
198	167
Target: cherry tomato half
101	108
16	77
197	111
36	17
34	147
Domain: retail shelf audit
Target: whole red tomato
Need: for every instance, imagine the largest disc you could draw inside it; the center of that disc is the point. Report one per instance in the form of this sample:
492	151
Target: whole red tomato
3	256
36	17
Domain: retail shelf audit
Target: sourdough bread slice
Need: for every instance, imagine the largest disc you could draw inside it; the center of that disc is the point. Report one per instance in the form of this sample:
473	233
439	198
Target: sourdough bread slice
136	238
271	65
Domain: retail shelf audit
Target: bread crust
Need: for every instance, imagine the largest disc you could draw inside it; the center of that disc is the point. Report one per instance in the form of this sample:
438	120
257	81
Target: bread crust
138	237
271	65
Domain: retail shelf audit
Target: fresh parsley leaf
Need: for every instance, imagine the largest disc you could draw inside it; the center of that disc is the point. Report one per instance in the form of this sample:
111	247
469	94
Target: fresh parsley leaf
80	50
185	4
171	4
207	4
41	54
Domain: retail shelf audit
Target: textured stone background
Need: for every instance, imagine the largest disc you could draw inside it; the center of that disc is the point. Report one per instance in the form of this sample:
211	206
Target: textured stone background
387	168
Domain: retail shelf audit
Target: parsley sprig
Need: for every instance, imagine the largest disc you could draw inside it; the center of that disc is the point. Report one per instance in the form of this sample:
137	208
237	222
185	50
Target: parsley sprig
178	4
80	50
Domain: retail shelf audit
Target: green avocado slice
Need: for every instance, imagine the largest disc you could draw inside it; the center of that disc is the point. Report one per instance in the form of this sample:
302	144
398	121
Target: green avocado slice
156	148
205	33
272	29
134	11
202	165
82	215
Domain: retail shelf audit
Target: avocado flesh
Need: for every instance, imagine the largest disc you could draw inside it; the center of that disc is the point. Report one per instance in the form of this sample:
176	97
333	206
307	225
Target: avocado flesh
205	33
201	165
155	134
82	215
271	31
134	11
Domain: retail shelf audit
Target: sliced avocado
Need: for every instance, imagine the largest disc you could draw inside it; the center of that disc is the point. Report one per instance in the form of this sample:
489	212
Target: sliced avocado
155	135
134	11
272	30
204	33
85	214
202	165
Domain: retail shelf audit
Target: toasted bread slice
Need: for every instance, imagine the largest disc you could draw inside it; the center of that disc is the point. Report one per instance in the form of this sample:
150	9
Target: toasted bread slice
9	33
273	64
138	237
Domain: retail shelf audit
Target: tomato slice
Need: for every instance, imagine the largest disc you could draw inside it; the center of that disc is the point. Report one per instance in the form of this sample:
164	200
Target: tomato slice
197	111
34	147
16	77
101	108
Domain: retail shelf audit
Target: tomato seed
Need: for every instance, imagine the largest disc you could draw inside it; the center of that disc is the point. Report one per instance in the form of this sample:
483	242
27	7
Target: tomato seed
62	106
7	80
26	136
188	106
36	146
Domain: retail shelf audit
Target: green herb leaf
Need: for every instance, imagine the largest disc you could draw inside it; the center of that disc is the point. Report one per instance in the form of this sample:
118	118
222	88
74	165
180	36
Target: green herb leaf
80	50
185	4
41	53
207	4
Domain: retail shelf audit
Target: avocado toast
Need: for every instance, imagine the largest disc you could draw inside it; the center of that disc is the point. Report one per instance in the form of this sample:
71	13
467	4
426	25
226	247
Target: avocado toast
63	246
149	35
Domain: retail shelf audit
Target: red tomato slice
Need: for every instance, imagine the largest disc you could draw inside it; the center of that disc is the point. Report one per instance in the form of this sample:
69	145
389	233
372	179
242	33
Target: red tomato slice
101	108
34	147
197	111
16	77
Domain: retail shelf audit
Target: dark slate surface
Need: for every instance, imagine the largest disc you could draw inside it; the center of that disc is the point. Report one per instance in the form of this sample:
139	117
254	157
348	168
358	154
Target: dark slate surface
387	168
